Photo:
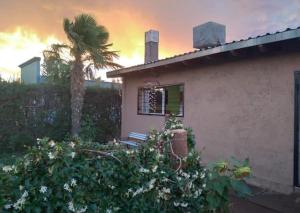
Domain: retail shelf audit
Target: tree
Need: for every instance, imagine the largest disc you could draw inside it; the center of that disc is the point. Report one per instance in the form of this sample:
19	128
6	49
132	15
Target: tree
56	70
88	49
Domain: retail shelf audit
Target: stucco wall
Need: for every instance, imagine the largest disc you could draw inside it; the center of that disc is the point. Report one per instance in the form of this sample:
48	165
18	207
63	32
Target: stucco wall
242	109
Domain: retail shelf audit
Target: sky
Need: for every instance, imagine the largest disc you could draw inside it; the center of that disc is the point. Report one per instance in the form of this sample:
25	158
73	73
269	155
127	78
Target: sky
27	27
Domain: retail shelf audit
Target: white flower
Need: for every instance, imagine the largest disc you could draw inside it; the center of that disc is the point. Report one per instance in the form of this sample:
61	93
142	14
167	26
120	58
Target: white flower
128	192
186	175
67	187
166	190
112	187
21	187
50	170
164	180
8	168
43	189
128	152
52	143
154	168
108	211
162	195
143	170
73	182
202	175
25	194
151	183
117	208
151	150
20	203
159	156
204	185
72	145
51	156
73	154
71	206
184	205
176	204
195	175
138	191
197	193
8	206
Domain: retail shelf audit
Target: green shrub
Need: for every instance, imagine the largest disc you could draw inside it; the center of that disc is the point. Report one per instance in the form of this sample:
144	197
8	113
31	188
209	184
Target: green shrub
87	177
28	112
174	123
88	129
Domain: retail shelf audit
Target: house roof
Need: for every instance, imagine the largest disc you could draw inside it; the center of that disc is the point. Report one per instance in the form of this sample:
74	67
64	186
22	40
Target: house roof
30	61
260	41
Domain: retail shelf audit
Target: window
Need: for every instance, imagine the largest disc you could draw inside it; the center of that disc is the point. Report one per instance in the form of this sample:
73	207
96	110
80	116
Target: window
161	100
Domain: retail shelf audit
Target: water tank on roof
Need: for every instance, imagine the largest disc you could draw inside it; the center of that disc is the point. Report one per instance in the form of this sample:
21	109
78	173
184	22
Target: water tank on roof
209	34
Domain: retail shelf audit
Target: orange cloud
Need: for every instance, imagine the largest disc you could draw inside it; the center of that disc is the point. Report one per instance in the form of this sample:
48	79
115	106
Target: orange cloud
18	46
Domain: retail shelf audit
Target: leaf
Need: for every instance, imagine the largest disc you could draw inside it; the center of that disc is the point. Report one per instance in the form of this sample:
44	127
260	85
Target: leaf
241	188
213	201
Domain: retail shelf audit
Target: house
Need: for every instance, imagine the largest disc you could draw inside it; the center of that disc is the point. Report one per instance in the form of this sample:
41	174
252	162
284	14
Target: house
30	71
31	74
241	99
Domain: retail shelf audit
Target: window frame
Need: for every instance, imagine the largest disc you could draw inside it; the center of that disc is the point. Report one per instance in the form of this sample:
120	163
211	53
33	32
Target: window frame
164	109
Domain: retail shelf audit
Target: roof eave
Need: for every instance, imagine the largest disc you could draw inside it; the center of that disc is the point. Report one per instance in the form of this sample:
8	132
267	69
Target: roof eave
30	61
266	39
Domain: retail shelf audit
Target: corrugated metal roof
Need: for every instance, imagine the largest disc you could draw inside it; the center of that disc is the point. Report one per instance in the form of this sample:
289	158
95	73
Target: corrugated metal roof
229	46
30	61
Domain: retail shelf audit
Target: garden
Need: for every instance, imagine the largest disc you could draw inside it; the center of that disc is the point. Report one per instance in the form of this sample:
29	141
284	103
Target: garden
77	176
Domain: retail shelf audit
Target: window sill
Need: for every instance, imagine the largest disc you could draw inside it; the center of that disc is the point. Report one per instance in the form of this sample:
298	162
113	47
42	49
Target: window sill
157	114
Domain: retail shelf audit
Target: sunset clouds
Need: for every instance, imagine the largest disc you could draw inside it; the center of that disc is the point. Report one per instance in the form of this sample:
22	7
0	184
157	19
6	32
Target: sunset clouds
28	26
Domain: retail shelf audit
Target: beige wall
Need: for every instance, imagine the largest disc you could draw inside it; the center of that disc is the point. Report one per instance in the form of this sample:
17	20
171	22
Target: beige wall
242	109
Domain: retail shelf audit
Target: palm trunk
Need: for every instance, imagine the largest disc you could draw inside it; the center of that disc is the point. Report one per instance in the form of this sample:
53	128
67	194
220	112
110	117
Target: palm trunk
77	95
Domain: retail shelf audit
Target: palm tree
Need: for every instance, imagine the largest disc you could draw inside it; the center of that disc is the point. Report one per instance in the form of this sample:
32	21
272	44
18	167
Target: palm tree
56	69
88	47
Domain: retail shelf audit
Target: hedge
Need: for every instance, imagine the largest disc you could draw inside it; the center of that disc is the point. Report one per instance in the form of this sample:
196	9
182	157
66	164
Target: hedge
28	112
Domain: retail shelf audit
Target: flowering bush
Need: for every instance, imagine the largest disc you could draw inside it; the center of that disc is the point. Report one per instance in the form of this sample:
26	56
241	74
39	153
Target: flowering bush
75	177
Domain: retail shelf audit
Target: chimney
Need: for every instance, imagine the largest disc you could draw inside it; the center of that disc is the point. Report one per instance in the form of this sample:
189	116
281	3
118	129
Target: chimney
210	34
151	46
